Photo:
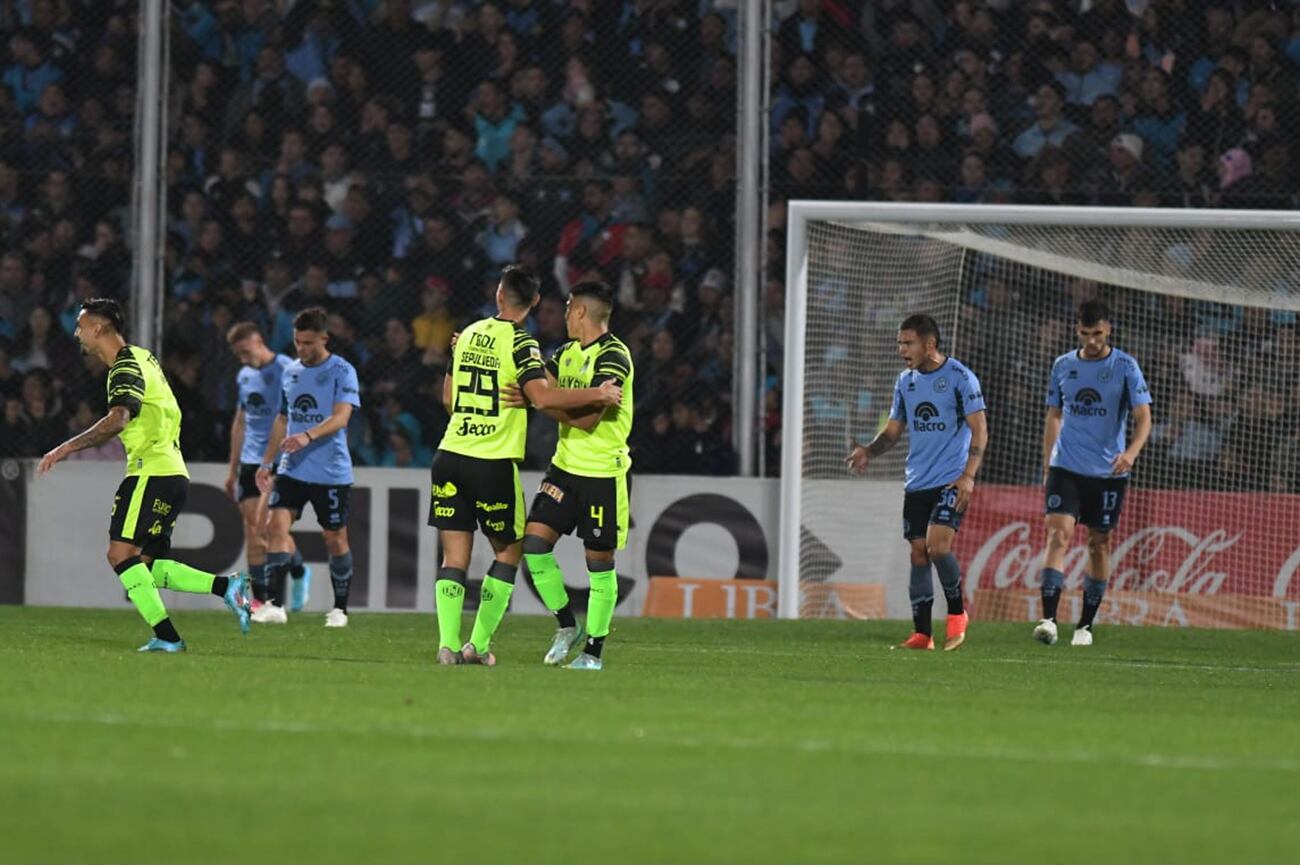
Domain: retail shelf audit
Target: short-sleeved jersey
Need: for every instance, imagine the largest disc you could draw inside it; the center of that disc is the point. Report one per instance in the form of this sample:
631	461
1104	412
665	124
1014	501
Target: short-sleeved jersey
307	398
934	406
1095	398
259	398
489	354
601	452
152	438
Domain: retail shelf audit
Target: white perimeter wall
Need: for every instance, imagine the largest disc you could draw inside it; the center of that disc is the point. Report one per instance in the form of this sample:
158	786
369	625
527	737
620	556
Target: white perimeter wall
691	526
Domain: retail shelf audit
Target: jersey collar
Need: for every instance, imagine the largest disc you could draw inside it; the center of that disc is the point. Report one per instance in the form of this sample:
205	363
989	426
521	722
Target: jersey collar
604	338
1078	353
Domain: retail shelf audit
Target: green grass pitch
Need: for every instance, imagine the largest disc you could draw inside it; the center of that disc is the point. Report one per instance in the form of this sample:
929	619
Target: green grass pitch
701	741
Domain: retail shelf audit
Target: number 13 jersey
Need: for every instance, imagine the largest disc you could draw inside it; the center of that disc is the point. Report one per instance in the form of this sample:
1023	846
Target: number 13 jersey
490	354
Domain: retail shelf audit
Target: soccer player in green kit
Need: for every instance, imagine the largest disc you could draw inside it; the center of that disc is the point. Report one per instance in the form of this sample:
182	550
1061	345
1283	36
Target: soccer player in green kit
142	411
585	490
475	475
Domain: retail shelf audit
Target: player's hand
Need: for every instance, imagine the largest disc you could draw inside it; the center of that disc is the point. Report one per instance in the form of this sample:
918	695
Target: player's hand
611	393
858	459
512	396
232	480
52	457
965	486
263	480
295	443
1123	463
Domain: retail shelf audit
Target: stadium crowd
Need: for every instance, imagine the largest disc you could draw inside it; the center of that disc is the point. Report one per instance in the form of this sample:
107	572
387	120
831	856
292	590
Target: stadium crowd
385	159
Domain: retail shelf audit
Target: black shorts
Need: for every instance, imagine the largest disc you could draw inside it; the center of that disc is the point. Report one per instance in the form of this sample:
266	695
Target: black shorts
246	487
1094	501
329	502
467	492
145	510
931	506
596	508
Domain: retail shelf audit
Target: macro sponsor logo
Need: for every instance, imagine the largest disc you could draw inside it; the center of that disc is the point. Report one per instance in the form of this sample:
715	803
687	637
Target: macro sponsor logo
1087	402
473	429
304	410
256	405
923	419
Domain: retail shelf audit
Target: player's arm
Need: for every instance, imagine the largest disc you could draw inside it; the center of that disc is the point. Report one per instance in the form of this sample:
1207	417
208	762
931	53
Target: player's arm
273	441
1139	396
339	418
541	395
979	443
1051	433
112	424
861	455
236	447
1141	433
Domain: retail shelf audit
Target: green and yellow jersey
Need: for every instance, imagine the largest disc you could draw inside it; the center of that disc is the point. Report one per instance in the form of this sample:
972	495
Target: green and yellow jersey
489	354
601	452
152	438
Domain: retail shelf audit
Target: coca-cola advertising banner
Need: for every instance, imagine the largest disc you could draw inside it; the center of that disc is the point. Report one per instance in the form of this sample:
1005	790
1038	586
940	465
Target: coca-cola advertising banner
1188	558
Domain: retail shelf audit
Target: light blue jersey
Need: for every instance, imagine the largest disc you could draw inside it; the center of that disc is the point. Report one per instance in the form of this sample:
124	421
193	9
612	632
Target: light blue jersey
934	406
259	398
1095	398
308	399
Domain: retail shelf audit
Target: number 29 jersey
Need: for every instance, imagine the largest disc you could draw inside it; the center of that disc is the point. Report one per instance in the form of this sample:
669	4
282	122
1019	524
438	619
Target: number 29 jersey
489	354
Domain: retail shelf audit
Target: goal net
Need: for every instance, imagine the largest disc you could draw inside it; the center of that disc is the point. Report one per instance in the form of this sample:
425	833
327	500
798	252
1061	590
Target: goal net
1207	301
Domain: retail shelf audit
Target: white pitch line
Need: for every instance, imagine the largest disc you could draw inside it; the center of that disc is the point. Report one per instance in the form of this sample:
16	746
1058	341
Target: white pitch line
640	736
1079	659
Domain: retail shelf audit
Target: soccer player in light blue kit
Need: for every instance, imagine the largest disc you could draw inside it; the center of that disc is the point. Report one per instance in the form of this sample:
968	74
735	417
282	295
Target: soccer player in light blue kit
310	433
1091	394
259	384
937	400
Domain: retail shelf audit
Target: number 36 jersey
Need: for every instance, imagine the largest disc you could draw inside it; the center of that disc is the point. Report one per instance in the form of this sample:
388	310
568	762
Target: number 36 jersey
490	354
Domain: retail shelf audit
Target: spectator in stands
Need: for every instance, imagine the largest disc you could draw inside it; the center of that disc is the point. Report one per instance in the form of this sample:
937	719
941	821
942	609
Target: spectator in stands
1050	126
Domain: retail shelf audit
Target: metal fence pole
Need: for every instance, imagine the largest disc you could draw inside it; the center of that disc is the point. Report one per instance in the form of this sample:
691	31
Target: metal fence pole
749	218
148	194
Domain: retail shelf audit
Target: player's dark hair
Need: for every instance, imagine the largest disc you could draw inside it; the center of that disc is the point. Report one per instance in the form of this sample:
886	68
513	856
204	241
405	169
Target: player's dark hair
241	331
106	308
598	291
311	319
924	326
521	285
1092	312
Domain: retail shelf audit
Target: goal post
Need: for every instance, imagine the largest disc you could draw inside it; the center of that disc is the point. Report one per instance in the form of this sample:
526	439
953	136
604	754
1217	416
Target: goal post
1208	302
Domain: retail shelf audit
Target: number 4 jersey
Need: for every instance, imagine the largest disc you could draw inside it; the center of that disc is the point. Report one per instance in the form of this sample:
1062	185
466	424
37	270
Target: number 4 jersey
490	354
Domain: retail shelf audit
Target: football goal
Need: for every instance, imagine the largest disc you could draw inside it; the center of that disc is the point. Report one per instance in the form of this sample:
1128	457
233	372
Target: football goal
1208	303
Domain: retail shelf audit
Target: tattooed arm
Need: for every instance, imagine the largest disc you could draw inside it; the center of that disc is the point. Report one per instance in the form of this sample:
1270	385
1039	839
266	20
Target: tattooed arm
97	434
979	441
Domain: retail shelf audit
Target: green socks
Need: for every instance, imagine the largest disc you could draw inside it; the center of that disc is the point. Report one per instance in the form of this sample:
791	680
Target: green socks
493	602
171	575
601	602
548	579
140	589
449	599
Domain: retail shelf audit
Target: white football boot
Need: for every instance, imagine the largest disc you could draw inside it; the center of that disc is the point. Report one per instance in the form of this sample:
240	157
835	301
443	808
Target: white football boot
1045	631
337	617
268	613
1082	637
